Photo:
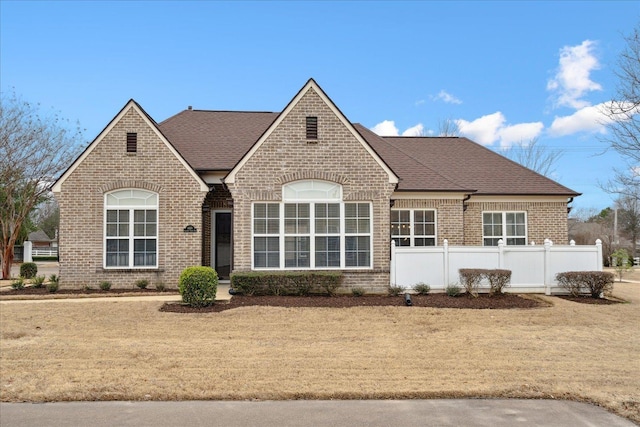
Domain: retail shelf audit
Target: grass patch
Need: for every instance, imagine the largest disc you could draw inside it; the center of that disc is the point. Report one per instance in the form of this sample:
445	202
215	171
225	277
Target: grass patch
128	350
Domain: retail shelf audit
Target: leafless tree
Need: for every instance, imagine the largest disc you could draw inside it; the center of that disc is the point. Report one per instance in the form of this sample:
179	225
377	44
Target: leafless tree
533	156
34	148
448	127
623	113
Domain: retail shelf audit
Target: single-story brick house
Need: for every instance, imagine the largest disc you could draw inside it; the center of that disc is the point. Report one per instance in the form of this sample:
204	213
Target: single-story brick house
301	189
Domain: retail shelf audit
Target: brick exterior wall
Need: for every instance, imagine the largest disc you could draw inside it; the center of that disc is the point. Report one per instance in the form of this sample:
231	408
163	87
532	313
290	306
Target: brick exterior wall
108	167
545	220
336	156
449	218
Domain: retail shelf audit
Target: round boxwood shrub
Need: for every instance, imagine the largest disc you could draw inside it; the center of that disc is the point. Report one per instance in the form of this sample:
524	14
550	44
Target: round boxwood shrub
198	286
28	270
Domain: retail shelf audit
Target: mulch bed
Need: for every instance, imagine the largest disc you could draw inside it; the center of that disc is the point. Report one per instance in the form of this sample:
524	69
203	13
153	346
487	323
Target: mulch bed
94	291
588	299
505	301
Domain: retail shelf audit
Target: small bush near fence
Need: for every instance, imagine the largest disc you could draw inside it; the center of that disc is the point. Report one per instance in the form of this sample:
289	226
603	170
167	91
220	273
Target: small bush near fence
453	290
198	286
422	288
595	283
471	278
28	270
54	283
286	283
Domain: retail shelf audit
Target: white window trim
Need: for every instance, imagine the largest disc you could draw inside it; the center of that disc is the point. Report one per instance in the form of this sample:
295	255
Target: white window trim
131	237
412	236
504	236
312	241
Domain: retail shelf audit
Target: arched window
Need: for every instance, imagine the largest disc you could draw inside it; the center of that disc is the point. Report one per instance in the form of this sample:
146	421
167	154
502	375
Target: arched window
313	228
131	229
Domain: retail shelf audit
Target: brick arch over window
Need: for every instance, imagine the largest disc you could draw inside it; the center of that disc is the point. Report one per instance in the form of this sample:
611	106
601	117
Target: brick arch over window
310	175
142	185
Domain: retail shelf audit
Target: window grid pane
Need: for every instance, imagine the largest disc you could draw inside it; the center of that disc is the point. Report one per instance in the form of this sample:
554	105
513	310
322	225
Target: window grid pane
125	227
509	226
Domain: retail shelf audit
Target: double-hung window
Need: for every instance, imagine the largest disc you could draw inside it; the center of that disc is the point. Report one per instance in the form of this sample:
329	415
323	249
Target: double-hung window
510	227
131	229
313	228
413	227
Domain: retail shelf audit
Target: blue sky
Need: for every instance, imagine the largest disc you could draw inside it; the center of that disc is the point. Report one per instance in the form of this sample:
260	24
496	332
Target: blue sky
504	71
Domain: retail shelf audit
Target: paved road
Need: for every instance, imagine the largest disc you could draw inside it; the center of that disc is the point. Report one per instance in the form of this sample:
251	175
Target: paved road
440	412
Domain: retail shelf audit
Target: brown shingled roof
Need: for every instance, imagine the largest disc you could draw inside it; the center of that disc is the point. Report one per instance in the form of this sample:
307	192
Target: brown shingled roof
217	140
470	165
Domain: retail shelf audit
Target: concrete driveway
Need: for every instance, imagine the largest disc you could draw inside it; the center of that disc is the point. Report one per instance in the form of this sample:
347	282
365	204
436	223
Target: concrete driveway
304	413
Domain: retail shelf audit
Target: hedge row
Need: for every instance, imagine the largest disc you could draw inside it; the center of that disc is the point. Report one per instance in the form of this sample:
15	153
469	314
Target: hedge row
595	283
471	278
286	283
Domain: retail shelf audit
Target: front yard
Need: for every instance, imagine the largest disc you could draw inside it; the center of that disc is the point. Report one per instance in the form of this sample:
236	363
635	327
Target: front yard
132	351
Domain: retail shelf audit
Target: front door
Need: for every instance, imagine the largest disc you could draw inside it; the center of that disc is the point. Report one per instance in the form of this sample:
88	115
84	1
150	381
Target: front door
221	242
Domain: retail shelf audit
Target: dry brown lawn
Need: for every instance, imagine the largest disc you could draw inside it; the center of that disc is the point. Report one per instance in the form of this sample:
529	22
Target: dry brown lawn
131	351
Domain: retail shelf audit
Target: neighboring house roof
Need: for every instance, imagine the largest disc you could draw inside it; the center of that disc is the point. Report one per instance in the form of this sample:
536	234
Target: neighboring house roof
39	236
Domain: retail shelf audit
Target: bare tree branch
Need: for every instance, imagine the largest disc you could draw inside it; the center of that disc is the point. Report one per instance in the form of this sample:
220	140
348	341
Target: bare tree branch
533	156
623	113
34	149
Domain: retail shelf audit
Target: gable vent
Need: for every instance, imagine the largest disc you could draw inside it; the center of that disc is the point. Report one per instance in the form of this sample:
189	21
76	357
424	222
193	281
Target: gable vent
132	142
312	127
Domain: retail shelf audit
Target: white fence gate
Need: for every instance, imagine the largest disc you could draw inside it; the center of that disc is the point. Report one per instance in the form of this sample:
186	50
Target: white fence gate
533	268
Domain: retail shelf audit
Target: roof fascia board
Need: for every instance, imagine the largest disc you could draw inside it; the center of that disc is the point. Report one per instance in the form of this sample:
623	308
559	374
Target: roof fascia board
311	84
480	198
428	195
57	187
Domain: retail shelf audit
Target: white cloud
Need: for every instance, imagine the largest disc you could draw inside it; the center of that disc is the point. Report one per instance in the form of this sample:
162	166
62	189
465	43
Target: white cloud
446	97
419	102
483	130
492	128
572	80
519	133
417	130
386	128
587	119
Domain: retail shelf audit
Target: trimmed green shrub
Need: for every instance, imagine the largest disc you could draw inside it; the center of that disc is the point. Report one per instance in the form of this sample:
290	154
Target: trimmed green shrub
198	286
160	286
28	270
286	283
422	288
18	284
142	283
453	290
357	292
595	283
38	281
105	286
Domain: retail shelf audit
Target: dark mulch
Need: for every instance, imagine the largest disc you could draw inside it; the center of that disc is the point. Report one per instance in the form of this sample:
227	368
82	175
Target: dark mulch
94	291
505	301
588	299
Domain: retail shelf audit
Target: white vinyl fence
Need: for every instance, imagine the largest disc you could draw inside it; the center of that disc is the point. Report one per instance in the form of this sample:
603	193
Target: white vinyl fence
533	268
